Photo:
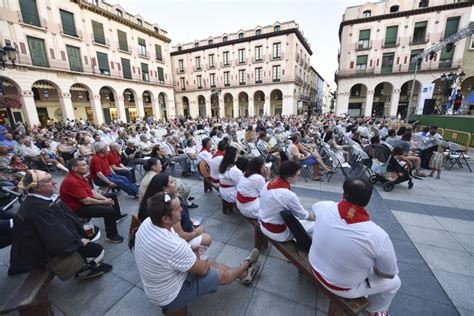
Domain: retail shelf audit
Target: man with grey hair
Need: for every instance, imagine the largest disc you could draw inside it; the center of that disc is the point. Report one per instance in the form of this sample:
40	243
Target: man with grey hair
102	173
174	157
115	161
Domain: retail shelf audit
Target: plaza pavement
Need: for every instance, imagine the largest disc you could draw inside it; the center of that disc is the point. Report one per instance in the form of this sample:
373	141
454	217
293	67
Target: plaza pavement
431	226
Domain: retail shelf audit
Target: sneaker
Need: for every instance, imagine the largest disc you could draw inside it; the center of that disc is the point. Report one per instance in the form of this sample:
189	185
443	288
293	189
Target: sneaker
192	205
252	257
117	239
105	267
190	198
121	218
251	273
88	272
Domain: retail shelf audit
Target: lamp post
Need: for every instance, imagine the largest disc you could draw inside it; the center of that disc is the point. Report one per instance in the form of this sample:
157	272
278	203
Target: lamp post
7	53
450	82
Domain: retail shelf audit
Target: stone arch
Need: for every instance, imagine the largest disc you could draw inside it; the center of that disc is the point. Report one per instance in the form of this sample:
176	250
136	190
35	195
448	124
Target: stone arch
258	102
46	95
276	102
108	99
357	99
81	96
185	102
467	87
215	110
228	105
201	100
10	115
382	97
148	97
405	93
243	104
163	105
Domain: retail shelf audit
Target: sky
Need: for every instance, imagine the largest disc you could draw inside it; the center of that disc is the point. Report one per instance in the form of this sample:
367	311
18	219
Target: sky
186	21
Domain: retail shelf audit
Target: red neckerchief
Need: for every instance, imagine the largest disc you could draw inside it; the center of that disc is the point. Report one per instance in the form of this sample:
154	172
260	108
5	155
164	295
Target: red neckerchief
205	149
352	213
218	153
278	183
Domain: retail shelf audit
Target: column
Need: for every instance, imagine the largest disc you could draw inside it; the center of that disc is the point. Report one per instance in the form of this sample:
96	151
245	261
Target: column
208	108
29	108
236	107
97	109
171	108
66	106
251	106
120	105
369	100
266	106
288	105
140	109
221	107
155	106
342	102
394	102
193	108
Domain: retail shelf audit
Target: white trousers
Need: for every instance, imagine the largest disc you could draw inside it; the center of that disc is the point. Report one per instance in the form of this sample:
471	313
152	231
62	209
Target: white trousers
380	292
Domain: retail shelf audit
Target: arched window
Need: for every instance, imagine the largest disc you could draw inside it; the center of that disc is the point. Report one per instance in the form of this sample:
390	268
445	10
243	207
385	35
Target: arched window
179	48
119	13
196	44
157	30
258	32
224	39
394	8
241	35
210	42
276	28
139	22
366	13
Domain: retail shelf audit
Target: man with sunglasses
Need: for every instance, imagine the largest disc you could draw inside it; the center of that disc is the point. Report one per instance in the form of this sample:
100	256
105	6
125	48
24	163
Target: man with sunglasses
171	270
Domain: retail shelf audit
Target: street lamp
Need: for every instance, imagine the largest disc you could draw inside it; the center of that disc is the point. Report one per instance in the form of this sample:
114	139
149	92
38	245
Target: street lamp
7	53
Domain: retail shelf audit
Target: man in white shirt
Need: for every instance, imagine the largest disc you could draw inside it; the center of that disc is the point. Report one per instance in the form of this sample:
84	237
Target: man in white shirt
169	147
216	161
205	153
144	146
171	270
351	255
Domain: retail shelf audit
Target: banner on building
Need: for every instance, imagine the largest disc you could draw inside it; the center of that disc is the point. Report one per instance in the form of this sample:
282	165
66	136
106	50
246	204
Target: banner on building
426	93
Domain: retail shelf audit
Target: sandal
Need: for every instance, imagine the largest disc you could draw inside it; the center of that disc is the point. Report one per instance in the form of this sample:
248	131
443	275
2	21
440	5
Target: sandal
252	257
251	273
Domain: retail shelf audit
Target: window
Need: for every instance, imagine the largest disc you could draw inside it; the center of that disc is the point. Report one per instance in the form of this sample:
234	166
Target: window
199	81
387	62
241	56
122	39
446	58
276	73
139	22
364	39
212	80
258	32
74	57
258	75
180	48
181	65
29	12
391	36
413	54
419	33
158	54
366	13
161	75
183	83
361	64
98	30
119	13
126	69
276	28
210	42
258	53
242	76
394	8
423	3
225	56
196	44
226	78
224	39
37	52
67	20
241	35
157	30
103	61
198	63
211	61
141	47
451	26
145	72
276	50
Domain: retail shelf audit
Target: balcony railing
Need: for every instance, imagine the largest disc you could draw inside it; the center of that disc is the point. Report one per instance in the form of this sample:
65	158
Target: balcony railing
228	64
259	60
197	68
105	43
42	22
128	49
143	54
391	44
359	47
211	66
419	40
275	57
78	34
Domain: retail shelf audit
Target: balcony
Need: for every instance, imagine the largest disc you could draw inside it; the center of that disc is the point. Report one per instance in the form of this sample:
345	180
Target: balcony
197	68
391	44
362	47
105	43
226	84
419	39
259	60
213	66
242	83
42	23
276	57
224	65
77	36
127	49
143	53
258	81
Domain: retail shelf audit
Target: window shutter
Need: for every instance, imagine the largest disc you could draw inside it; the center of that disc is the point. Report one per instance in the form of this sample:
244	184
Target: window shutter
421	24
38	52
144	67
141	41
67	20
364	35
362	60
451	26
391	35
161	77
127	73
122	38
29	12
103	61
158	52
74	56
98	30
446	55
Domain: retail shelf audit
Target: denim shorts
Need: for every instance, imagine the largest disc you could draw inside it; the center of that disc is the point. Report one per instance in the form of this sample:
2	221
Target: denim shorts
193	287
311	161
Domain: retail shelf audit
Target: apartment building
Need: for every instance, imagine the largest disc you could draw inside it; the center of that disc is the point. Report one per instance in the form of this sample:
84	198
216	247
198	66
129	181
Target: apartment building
264	70
84	59
377	43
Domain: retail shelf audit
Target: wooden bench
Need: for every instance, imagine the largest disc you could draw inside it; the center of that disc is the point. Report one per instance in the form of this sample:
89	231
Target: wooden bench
31	296
299	258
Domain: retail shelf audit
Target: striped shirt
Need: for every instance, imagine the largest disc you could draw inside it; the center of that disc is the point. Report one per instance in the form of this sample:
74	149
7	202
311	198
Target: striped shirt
163	259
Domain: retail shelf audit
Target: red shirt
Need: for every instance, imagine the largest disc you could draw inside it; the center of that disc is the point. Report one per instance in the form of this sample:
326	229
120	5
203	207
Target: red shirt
114	158
73	189
99	164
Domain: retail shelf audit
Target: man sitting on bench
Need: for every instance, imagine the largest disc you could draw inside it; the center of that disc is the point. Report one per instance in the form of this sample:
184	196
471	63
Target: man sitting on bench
276	197
351	255
171	270
45	228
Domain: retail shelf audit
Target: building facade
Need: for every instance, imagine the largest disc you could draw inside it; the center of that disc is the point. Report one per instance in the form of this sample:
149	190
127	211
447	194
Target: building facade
264	70
377	43
84	59
328	99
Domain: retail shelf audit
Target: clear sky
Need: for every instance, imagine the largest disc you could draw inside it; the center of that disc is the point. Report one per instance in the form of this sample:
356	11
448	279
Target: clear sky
186	21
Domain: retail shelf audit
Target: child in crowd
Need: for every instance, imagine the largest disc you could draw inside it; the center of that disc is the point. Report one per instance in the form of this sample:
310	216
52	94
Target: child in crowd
18	164
437	161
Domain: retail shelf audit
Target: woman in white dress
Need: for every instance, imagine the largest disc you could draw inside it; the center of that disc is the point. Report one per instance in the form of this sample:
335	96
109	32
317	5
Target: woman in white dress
249	187
229	175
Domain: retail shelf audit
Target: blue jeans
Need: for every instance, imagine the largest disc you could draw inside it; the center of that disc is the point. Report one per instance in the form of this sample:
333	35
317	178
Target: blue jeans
122	183
128	173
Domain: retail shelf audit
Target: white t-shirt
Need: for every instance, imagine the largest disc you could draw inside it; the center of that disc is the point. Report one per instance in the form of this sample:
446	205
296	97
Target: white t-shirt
206	156
342	253
214	167
163	260
231	177
250	187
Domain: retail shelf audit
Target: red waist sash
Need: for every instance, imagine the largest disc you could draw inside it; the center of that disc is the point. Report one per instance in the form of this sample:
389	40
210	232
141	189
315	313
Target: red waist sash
329	285
274	228
243	199
222	185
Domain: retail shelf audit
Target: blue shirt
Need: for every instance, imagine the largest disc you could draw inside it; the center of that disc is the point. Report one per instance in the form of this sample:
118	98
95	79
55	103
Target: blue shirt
3	131
6	143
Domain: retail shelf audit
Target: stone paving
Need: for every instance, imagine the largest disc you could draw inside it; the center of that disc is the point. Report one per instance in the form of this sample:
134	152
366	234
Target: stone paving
431	226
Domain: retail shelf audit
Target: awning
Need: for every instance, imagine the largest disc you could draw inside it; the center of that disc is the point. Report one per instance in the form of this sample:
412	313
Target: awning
41	84
469	99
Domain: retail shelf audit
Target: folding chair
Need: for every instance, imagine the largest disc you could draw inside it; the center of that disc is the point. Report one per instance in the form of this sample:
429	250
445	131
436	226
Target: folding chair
304	168
337	163
457	156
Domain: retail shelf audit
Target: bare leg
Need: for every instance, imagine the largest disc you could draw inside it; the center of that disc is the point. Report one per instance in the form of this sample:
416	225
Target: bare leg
206	240
228	275
320	162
